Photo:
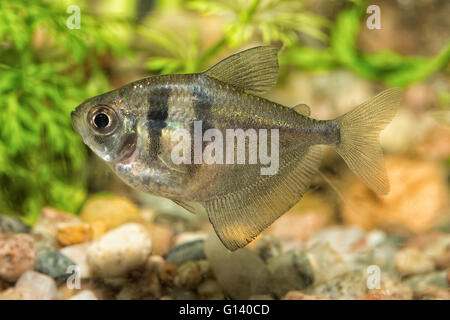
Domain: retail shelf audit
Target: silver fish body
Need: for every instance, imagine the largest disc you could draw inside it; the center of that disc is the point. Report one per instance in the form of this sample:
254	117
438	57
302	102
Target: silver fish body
132	128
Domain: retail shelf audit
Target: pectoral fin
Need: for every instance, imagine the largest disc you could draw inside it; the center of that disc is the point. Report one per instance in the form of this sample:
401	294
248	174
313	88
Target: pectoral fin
238	217
254	70
191	206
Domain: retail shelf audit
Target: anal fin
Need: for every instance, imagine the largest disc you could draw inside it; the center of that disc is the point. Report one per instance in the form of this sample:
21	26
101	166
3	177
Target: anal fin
191	206
238	217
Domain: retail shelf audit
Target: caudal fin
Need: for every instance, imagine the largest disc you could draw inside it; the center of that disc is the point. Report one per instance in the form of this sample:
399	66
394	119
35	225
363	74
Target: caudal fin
359	142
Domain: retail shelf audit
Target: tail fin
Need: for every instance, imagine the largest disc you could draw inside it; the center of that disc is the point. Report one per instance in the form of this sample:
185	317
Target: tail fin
359	142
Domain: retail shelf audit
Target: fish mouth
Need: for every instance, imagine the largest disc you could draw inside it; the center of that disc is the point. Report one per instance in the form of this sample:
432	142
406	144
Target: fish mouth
127	157
128	150
75	115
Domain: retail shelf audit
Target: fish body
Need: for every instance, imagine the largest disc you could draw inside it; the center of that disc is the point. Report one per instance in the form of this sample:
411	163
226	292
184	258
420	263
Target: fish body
132	128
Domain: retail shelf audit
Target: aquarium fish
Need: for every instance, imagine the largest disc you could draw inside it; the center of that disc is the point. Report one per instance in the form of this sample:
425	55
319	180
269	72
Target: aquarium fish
132	129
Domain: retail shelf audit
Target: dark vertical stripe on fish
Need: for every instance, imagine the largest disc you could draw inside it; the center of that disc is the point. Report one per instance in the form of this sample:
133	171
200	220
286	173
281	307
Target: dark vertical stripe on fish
202	110
158	101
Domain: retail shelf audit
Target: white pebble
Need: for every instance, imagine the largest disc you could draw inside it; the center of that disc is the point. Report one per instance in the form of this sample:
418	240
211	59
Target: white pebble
38	285
84	295
78	254
120	250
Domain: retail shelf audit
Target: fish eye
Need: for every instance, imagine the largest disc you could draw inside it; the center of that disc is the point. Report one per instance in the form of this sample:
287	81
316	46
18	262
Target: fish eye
103	119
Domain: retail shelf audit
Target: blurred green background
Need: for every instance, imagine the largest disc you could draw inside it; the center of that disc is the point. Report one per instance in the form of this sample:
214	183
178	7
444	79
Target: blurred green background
47	69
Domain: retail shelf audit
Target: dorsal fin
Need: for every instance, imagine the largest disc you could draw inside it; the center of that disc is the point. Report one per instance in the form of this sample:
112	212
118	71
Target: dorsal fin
254	70
303	109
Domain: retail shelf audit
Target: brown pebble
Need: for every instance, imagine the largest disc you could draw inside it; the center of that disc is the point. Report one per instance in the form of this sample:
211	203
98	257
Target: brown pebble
432	293
373	297
17	255
151	285
167	274
297	295
73	233
162	238
443	261
49	219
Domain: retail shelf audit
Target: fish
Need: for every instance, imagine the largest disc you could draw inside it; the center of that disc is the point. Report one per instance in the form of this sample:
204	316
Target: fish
132	128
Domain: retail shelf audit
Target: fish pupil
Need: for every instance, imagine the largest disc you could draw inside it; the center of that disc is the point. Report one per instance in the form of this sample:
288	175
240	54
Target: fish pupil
101	120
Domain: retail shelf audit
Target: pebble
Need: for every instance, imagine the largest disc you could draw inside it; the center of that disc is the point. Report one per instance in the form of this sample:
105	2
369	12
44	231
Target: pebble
120	250
151	285
55	264
241	273
191	273
341	239
384	253
325	262
350	285
67	290
432	293
298	295
261	297
188	251
375	238
155	264
70	233
290	271
12	225
17	255
210	289
183	294
410	261
392	289
115	282
131	291
3	285
108	212
423	281
49	219
167	274
38	286
268	247
16	294
439	252
162	238
44	242
78	254
84	295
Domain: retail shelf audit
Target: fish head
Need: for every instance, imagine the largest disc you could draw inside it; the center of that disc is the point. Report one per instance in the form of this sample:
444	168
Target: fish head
107	126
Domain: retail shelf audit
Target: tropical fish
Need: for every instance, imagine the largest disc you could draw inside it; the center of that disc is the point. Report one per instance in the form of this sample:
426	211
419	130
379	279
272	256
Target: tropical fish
132	129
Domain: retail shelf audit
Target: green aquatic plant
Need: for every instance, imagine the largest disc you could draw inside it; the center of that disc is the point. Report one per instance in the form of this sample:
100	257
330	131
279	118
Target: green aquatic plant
275	20
266	20
389	67
45	70
182	53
